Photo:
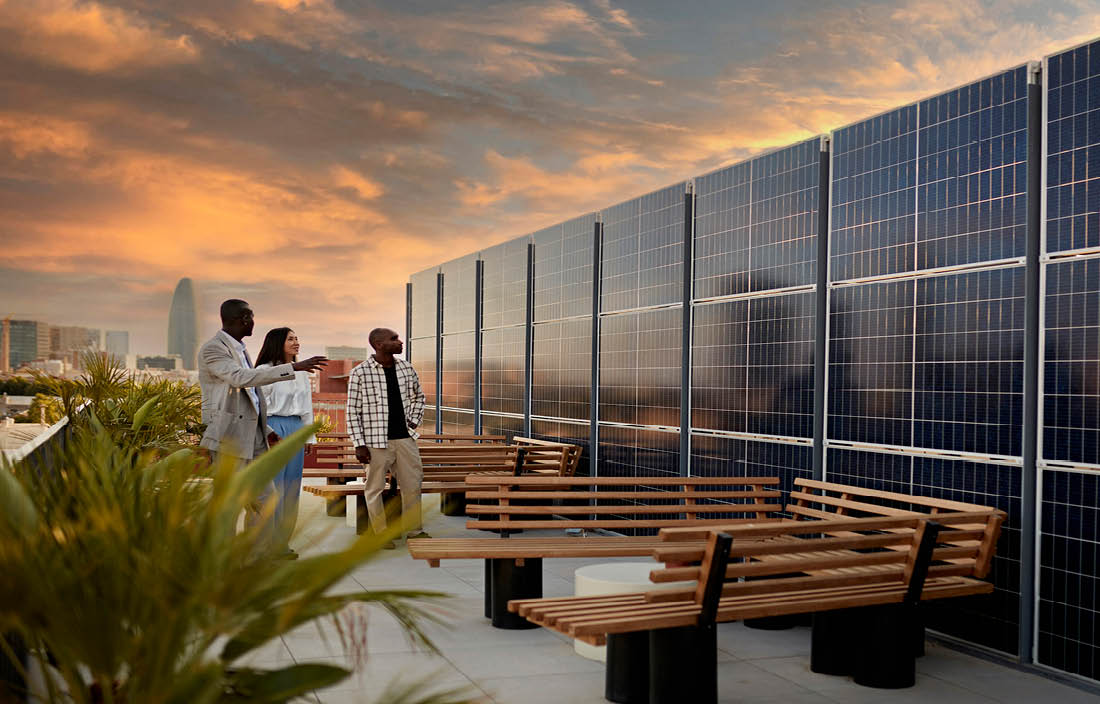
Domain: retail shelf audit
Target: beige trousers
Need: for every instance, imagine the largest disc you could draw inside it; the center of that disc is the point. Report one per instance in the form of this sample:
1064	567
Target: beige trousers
402	458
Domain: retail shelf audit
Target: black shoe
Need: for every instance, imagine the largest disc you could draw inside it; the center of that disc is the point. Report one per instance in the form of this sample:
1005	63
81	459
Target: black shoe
418	536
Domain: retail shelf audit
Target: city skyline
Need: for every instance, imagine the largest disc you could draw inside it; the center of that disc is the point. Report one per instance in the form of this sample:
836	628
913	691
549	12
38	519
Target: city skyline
309	157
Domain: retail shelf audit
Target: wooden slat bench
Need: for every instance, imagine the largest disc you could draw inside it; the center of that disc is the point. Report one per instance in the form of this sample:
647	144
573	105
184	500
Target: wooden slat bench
545	454
513	568
808	570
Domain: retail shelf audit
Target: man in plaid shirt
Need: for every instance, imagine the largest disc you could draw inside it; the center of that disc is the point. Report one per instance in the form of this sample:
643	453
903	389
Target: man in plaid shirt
385	405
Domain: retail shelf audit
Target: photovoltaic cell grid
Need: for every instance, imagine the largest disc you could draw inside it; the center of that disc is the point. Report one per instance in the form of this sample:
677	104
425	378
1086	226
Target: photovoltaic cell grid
1069	607
756	223
422	357
753	365
459	294
714	456
1071	365
458	370
972	173
874	178
561	369
637	452
502	370
1073	149
508	426
504	284
459	422
428	424
563	269
643	251
572	433
423	304
640	368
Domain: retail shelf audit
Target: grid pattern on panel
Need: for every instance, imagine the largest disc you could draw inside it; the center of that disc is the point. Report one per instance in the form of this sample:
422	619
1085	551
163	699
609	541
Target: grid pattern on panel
643	251
457	421
991	620
572	433
563	269
423	361
502	370
638	452
424	304
721	247
970	362
640	367
870	470
1073	149
561	379
459	294
783	229
873	195
1071	363
508	426
780	374
716	456
504	284
427	425
719	356
870	363
458	370
1069	587
972	171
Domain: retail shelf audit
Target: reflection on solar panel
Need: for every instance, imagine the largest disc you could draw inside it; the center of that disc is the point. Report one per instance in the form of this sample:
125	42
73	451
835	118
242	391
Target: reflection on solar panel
640	365
459	294
781	365
873	196
719	356
972	173
563	269
424	300
1071	368
502	370
871	363
572	433
716	456
494	424
504	284
634	452
459	422
756	223
1073	149
422	357
643	251
458	370
561	379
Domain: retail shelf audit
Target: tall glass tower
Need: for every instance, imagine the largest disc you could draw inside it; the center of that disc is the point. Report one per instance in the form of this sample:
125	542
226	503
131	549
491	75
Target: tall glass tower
183	325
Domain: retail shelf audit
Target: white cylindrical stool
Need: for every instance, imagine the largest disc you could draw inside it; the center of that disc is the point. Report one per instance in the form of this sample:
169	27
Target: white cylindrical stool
614	578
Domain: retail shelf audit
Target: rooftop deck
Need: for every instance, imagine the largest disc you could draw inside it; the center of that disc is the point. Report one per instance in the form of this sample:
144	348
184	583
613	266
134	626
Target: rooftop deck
537	666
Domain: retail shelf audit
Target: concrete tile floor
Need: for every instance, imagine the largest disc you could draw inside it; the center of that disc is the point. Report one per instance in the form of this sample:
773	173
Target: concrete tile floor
534	666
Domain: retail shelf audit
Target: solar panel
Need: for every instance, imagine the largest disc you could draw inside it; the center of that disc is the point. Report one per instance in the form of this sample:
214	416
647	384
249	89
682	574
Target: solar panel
719	358
718	456
504	284
502	370
637	452
422	357
561	369
458	370
572	433
496	424
424	304
457	422
563	269
459	294
780	372
640	365
643	251
756	223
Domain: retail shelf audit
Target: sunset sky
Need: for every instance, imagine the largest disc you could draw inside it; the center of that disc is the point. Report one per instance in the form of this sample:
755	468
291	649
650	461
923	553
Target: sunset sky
308	156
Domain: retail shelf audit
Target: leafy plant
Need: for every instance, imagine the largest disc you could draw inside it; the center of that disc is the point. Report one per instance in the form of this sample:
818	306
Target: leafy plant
125	570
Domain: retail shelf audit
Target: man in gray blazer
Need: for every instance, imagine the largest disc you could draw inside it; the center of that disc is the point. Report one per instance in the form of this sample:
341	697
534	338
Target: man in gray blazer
234	412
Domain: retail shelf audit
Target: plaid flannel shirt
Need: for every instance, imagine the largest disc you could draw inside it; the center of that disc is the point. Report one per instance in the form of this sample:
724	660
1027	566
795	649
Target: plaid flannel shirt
368	405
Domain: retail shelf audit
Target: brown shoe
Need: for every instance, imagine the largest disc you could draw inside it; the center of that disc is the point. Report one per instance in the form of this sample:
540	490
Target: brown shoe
417	536
389	545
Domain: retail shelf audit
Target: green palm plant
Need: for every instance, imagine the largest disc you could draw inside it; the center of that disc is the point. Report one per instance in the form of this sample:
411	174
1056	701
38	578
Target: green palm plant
126	571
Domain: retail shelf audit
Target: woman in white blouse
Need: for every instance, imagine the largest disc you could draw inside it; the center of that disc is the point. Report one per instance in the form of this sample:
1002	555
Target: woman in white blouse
289	407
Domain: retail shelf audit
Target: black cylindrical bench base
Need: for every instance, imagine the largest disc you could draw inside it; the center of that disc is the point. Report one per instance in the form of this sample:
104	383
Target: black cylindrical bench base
683	665
627	679
834	640
510	581
887	658
453	503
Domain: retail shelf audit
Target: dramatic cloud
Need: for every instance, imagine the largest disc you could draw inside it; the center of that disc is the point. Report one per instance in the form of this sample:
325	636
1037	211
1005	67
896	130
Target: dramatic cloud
310	154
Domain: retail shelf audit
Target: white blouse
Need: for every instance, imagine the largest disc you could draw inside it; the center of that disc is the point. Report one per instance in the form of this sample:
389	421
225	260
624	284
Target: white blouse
290	398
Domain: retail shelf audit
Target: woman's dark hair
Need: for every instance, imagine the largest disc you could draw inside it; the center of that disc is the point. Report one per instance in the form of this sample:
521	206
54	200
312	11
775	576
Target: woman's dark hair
274	344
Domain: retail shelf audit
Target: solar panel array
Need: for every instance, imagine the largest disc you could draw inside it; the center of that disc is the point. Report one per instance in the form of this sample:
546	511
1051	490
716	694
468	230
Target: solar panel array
1069	459
421	348
926	330
459	291
458	370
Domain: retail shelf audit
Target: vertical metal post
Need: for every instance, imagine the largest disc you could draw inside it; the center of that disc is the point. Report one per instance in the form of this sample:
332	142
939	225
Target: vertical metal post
821	316
479	299
438	351
593	407
1029	474
408	320
685	339
529	339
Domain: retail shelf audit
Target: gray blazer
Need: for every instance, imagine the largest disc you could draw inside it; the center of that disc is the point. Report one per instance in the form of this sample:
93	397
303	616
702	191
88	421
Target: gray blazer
231	419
